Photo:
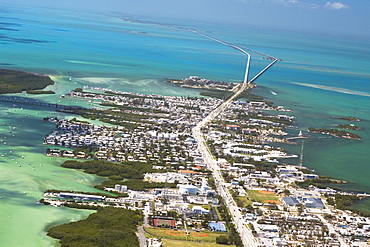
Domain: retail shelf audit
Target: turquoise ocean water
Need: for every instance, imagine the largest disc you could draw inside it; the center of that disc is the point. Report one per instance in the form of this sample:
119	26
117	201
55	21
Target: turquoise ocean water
319	77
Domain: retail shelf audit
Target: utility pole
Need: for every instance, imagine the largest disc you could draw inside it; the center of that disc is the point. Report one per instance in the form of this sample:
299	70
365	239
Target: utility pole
165	199
300	163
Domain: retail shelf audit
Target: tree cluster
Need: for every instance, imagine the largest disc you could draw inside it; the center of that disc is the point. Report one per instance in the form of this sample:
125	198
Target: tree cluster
127	173
40	92
12	81
107	227
336	133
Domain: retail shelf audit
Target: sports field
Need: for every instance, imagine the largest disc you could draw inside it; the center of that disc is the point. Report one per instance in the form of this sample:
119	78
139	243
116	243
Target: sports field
263	196
177	243
166	233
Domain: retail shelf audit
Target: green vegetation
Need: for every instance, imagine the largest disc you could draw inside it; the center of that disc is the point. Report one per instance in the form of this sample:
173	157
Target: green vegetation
181	235
105	168
107	227
177	243
243	201
124	107
321	182
336	133
114	116
85	149
221	94
12	81
256	196
132	95
223	212
344	202
127	173
348	127
80	192
40	92
258	165
353	119
269	118
233	237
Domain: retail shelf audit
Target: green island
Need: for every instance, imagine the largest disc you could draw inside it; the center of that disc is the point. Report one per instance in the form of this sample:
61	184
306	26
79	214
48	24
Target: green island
107	227
348	126
336	132
13	81
196	82
39	92
354	119
216	89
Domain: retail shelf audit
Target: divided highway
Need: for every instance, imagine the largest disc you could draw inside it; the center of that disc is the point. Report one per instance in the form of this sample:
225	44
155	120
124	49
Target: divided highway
245	233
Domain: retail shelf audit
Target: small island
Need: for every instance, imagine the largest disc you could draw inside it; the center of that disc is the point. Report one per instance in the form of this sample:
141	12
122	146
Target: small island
336	132
13	81
348	127
353	119
196	82
217	89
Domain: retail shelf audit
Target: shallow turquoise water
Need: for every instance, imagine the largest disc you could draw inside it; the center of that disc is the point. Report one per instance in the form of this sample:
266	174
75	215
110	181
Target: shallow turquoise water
319	77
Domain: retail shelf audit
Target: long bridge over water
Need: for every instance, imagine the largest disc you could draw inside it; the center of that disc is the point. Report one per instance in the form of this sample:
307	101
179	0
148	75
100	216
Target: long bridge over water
26	101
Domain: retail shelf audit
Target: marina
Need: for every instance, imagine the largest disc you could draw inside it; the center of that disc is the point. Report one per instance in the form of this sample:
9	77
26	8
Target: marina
178	55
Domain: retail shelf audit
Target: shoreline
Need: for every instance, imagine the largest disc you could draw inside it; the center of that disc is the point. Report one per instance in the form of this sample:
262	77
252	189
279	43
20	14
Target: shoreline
287	142
316	181
293	51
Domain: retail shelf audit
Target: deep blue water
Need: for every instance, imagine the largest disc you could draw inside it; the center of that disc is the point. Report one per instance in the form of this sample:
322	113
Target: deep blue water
318	77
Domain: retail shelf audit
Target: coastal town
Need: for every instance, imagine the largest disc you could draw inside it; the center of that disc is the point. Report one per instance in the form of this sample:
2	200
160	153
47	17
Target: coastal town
184	123
234	186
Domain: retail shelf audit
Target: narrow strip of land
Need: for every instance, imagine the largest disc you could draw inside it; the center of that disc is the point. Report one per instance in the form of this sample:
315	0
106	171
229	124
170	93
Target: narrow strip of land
245	233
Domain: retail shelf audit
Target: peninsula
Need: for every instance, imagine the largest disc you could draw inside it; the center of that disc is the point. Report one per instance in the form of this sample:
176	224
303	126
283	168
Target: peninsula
13	81
198	169
162	158
201	83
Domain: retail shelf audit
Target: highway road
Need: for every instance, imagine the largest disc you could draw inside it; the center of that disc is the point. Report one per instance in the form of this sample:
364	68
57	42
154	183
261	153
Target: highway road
245	233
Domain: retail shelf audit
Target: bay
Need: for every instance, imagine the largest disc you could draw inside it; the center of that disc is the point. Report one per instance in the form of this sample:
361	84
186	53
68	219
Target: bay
319	77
